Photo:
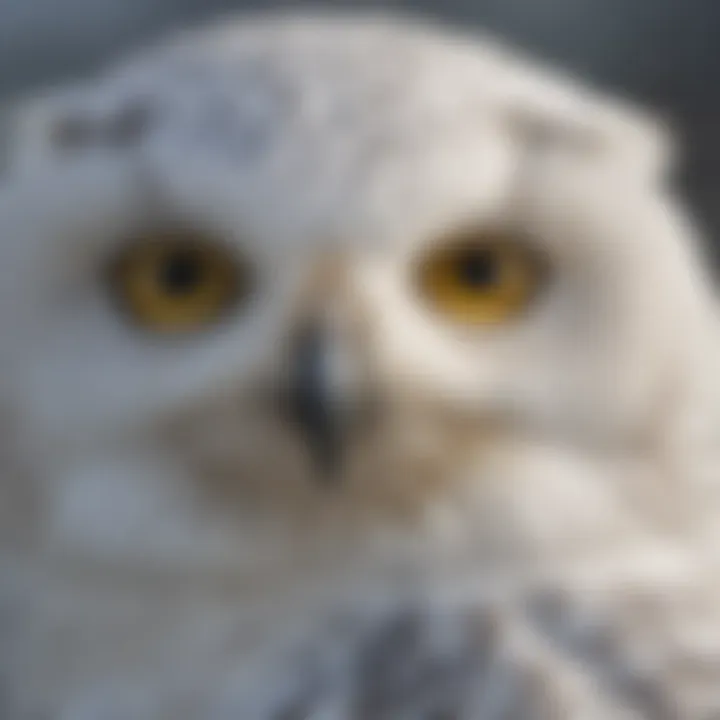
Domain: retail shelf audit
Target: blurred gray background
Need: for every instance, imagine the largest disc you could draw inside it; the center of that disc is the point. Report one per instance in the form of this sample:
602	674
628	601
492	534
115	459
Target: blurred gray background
665	53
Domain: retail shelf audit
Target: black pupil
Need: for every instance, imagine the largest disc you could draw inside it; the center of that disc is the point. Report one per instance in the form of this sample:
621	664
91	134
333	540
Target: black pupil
478	269
181	273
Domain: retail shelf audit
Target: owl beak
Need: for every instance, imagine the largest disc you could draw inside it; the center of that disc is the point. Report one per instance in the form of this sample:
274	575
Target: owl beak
318	404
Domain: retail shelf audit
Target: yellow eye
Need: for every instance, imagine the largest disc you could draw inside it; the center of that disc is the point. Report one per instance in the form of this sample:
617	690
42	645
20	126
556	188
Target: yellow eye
177	282
481	279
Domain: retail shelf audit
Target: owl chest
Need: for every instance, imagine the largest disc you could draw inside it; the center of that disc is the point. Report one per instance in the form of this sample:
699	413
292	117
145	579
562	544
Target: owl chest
97	645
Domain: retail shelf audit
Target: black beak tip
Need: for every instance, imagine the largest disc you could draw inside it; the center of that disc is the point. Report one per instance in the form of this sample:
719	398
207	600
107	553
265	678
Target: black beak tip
322	434
311	407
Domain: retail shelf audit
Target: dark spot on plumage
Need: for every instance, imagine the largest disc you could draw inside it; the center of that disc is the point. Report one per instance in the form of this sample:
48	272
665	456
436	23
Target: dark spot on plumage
73	132
130	124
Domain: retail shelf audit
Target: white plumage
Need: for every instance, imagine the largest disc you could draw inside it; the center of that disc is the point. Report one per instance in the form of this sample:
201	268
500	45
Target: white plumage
521	525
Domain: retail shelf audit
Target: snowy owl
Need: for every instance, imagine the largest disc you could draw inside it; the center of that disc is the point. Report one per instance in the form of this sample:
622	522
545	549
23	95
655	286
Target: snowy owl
354	369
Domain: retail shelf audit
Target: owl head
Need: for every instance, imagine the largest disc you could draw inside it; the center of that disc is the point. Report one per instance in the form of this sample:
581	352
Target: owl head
292	278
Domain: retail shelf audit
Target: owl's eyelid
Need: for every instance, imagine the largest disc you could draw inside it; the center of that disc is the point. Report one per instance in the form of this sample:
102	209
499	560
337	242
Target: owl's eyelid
482	236
172	233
